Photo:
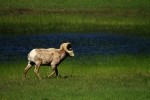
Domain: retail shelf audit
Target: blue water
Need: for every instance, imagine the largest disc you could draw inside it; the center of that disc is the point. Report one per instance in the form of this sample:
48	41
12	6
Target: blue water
83	44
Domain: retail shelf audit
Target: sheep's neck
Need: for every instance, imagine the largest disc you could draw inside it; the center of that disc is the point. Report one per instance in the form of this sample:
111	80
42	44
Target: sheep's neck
62	53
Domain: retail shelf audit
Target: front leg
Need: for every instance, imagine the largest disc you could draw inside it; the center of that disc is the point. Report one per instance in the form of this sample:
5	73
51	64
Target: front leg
53	72
56	71
54	68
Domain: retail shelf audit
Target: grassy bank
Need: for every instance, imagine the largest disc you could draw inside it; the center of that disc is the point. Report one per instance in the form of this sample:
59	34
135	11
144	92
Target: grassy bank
81	16
26	24
109	77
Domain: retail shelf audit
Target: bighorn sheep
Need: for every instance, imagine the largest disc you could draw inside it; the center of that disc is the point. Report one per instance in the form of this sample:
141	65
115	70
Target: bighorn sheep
50	56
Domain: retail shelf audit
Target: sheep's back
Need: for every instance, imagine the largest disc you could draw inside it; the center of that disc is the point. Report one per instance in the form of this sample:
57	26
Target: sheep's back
43	55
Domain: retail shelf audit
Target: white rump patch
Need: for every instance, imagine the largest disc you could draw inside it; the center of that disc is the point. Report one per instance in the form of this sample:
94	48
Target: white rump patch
32	55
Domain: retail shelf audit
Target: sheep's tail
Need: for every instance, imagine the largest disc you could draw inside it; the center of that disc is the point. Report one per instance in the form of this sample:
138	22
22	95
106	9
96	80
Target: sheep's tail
28	57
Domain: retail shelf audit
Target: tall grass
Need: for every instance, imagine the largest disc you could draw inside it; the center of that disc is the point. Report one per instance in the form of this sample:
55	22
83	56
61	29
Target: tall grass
104	77
26	24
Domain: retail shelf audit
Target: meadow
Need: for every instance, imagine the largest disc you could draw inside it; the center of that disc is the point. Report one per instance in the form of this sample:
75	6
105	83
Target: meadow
117	68
81	16
101	78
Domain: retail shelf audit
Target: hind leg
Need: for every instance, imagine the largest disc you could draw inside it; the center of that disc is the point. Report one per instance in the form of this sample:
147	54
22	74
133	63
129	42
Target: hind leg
36	70
27	69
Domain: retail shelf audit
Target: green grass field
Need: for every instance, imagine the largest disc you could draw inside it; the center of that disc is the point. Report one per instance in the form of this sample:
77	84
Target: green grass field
101	78
122	77
80	16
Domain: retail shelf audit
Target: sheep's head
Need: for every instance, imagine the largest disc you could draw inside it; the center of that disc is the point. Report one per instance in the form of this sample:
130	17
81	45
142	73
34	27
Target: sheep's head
67	48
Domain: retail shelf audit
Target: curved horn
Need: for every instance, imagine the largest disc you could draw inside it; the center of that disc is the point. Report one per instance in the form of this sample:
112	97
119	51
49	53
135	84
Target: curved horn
67	48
